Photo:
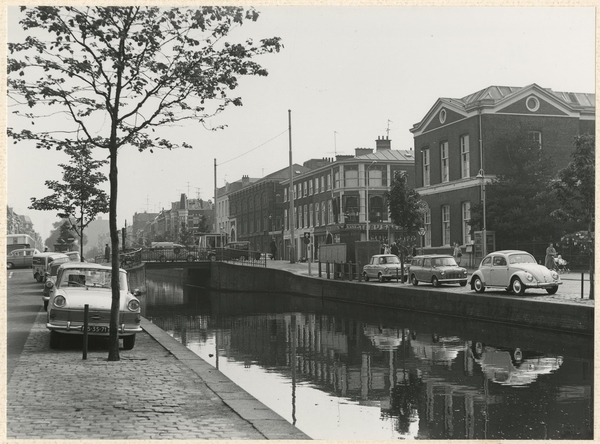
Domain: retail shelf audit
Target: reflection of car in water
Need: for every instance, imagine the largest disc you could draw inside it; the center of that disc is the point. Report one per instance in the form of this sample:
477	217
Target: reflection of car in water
513	367
436	349
385	338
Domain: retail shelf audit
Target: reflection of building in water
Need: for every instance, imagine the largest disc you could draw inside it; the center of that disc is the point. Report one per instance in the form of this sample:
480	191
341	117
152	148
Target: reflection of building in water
435	384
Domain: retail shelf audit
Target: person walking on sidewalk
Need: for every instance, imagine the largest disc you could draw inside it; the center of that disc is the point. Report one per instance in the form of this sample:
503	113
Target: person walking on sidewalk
107	253
550	255
457	253
273	249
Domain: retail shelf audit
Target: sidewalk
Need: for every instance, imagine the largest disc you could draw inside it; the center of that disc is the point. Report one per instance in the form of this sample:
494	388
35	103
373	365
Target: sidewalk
158	390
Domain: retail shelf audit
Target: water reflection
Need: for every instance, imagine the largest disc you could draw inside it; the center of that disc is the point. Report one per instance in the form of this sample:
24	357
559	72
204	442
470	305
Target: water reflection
339	371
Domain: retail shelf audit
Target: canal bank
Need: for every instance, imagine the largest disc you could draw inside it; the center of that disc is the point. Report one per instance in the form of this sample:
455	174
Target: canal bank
530	310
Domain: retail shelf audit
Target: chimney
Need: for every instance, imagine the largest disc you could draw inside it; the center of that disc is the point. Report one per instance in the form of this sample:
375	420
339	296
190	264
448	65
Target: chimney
383	143
363	151
245	180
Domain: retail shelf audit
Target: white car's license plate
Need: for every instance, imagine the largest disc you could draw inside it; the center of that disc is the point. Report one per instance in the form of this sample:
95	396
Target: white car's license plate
97	329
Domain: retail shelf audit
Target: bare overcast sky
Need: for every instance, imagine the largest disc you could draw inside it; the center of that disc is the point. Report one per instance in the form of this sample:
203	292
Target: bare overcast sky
343	69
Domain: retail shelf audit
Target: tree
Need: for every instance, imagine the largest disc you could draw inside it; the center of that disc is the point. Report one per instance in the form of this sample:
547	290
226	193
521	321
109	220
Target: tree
118	73
575	192
77	196
61	234
405	207
518	200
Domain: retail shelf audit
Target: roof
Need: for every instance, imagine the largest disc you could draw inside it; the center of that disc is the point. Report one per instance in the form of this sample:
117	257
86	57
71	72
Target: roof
90	265
387	155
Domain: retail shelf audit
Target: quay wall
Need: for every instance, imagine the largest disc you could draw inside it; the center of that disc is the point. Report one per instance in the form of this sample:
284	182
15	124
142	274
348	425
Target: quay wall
572	318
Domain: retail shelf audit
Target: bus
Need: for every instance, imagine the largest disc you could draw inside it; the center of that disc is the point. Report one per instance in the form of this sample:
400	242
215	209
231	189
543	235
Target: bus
16	241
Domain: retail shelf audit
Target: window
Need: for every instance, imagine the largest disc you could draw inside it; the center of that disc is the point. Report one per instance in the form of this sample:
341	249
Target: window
351	176
323	222
328	182
375	178
536	136
317	213
351	209
375	209
317	185
330	212
305	188
336	179
532	103
426	166
295	190
444	161
466	218
445	224
310	215
285	194
322	183
285	219
305	216
427	223
465	166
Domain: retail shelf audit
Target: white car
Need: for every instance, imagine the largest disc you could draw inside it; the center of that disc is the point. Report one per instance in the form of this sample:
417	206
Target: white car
514	271
78	284
384	267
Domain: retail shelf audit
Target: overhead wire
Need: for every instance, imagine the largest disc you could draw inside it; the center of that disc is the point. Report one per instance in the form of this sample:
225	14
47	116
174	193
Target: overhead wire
255	148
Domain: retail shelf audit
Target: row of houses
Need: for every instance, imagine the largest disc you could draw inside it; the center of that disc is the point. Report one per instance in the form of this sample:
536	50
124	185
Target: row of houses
452	160
20	224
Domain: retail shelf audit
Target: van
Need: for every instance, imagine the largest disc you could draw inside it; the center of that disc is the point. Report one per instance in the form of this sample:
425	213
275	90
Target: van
42	261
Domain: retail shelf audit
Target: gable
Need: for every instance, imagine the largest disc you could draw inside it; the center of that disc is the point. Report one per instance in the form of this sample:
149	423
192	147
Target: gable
532	104
442	117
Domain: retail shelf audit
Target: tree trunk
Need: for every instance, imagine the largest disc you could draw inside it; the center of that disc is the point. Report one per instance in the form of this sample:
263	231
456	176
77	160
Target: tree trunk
113	337
592	265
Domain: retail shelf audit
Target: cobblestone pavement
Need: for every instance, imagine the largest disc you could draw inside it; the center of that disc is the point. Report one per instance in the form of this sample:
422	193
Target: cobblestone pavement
568	293
154	392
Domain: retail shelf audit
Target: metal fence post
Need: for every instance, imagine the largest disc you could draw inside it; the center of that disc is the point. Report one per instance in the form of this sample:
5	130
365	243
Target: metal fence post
350	271
582	278
86	310
327	269
320	274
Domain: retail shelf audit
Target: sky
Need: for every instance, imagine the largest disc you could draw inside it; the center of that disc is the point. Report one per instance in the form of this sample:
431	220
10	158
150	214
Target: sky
349	75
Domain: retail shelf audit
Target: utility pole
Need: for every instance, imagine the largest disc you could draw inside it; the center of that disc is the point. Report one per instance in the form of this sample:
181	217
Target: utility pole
215	199
292	216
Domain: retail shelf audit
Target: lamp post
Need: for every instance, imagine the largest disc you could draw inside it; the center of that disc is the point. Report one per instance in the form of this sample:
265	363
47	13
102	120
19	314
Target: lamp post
367	195
481	175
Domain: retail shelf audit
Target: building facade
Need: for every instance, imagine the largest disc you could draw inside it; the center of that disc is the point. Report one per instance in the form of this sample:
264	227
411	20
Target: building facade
454	142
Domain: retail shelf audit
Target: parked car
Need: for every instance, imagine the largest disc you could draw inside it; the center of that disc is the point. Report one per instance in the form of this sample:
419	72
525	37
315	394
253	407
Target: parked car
74	256
42	261
515	271
437	269
21	257
384	267
78	284
50	280
234	250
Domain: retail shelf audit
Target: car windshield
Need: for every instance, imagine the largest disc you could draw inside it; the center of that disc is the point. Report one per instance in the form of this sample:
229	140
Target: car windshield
89	277
521	259
444	261
391	260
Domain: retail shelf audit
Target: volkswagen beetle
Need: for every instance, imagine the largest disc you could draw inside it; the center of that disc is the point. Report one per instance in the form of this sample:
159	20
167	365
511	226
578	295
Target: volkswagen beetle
78	284
515	271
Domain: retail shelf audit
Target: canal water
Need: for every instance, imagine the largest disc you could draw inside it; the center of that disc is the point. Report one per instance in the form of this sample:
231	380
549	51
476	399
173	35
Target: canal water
343	371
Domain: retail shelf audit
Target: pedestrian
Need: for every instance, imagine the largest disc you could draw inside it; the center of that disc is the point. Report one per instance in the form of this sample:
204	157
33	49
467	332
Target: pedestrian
273	246
550	255
107	253
457	253
45	249
386	249
395	249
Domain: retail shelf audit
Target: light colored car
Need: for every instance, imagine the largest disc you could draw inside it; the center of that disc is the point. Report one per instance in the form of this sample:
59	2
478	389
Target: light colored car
437	269
384	267
21	257
514	271
74	256
43	261
78	284
169	252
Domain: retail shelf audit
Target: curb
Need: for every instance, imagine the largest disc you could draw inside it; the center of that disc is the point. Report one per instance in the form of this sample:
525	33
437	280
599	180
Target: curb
262	418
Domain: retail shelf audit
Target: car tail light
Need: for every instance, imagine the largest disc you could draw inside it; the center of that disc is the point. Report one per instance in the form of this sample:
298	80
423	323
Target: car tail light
59	301
133	305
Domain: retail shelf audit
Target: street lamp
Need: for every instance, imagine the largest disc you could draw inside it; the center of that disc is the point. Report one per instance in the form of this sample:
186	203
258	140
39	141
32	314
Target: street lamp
481	175
367	195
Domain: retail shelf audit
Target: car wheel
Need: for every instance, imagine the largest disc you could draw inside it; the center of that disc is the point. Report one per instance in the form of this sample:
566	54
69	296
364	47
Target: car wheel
190	258
552	290
435	282
517	286
129	342
45	305
463	283
212	258
9	265
380	277
413	280
366	277
162	259
54	340
478	285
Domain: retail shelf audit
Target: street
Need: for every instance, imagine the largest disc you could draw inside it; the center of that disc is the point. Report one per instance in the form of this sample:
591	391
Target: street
23	302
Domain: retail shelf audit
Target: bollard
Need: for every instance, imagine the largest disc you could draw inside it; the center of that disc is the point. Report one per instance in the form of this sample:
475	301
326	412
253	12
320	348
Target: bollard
327	269
582	278
350	271
86	310
320	274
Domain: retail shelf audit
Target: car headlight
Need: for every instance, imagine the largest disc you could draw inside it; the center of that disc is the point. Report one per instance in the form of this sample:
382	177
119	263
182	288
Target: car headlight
49	284
133	305
554	275
59	301
442	272
529	277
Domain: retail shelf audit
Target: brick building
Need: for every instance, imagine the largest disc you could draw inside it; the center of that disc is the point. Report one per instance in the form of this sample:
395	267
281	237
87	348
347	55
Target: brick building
454	139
